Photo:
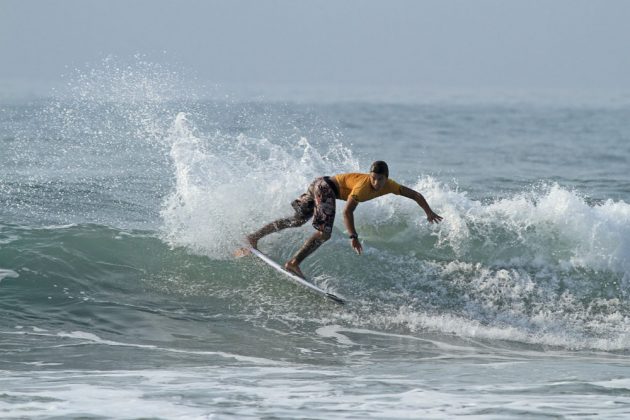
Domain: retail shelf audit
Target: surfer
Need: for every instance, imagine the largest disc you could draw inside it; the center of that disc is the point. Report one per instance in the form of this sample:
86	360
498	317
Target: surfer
318	202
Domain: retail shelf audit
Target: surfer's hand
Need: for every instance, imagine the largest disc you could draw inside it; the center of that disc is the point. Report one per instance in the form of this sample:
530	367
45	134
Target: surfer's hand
356	245
433	217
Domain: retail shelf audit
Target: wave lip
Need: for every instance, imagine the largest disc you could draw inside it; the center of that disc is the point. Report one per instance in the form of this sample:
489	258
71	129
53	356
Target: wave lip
547	226
229	185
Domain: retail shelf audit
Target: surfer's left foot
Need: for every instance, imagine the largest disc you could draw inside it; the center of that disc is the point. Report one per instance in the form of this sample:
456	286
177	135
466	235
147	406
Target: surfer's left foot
294	268
241	252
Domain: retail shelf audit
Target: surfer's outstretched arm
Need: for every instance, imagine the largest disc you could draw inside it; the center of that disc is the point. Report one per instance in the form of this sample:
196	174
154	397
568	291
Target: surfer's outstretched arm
348	220
419	198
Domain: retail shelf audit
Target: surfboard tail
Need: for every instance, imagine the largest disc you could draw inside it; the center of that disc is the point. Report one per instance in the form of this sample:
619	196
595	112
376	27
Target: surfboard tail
335	298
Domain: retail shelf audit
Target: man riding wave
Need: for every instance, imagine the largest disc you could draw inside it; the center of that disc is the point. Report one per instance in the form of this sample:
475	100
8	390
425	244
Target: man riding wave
319	202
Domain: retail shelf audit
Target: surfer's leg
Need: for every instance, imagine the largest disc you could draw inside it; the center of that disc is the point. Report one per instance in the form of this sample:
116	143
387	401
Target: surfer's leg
323	220
303	206
310	246
275	226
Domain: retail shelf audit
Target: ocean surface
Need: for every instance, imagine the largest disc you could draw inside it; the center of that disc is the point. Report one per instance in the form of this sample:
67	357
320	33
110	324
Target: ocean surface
123	198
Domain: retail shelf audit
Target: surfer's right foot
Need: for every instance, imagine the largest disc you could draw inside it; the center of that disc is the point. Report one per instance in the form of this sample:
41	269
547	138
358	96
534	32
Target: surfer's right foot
241	252
294	268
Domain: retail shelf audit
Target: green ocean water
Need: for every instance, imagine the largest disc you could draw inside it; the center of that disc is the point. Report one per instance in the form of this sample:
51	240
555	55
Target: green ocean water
120	207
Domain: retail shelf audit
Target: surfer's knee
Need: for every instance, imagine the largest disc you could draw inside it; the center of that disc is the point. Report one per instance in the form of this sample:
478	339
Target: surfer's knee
323	236
298	221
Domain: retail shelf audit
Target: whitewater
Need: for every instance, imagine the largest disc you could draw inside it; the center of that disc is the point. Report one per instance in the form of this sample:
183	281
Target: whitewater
123	198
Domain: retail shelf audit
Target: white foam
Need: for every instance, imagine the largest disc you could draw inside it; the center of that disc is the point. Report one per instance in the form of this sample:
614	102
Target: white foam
388	390
6	273
41	364
229	186
96	339
332	331
550	225
7	239
92	338
78	396
569	331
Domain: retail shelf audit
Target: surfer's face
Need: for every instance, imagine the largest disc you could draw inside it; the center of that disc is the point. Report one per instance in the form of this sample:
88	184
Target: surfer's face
377	180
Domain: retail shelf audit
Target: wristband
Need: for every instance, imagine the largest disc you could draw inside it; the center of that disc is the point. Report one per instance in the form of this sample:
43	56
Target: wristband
355	236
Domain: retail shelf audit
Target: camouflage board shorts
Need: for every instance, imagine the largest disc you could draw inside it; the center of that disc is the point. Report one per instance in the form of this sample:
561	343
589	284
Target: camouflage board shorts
318	202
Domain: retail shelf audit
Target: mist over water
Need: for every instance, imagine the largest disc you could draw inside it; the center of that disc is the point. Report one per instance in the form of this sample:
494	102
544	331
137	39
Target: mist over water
122	200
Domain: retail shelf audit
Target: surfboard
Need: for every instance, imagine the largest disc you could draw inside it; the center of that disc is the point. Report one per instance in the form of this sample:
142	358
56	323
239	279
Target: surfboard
297	279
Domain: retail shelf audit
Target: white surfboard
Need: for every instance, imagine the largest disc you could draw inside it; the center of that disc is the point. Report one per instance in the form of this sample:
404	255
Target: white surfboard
295	278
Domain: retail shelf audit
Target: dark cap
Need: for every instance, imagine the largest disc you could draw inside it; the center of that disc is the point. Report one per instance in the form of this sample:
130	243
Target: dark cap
380	167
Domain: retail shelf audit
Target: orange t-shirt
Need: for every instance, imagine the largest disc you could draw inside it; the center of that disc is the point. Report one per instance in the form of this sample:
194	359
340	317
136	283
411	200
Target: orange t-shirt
358	186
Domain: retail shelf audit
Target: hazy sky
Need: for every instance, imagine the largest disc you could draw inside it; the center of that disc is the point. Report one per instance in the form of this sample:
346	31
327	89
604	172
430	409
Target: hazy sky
469	44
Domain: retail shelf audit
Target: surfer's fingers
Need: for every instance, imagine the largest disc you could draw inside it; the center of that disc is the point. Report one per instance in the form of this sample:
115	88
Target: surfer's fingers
434	218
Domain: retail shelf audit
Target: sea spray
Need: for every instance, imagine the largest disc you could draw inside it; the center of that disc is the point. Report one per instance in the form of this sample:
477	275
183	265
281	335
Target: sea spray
227	186
97	143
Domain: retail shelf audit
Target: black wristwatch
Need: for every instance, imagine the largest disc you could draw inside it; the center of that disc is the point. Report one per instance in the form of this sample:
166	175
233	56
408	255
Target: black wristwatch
353	236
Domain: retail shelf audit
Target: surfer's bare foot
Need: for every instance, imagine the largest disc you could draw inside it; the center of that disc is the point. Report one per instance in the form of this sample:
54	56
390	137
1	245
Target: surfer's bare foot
241	252
293	267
